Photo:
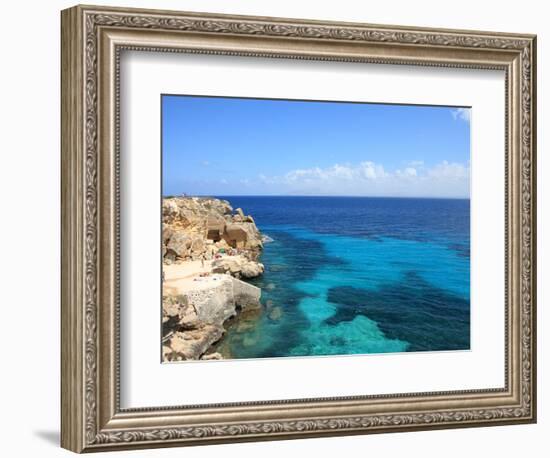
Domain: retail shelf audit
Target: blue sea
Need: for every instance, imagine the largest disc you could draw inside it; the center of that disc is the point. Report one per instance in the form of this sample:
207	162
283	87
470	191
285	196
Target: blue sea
357	275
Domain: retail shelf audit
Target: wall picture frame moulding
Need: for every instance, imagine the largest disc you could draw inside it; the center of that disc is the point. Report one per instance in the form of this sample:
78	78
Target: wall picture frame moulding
93	39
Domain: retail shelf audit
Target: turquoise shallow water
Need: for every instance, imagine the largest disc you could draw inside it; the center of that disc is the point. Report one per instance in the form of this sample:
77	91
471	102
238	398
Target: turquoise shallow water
358	275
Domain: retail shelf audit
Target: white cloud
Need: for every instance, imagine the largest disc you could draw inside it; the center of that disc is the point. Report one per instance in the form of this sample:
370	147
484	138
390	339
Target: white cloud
372	171
365	170
448	170
407	172
371	179
205	163
462	114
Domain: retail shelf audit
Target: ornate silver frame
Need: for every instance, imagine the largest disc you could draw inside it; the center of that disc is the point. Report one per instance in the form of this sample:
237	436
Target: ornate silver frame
92	39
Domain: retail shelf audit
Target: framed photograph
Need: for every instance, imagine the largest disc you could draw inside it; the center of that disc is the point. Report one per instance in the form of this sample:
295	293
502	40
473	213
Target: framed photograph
278	228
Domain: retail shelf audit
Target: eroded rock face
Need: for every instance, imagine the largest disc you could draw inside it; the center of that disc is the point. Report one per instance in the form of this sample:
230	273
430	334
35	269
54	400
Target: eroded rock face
247	296
243	235
178	313
194	321
207	229
178	245
190	222
191	344
214	303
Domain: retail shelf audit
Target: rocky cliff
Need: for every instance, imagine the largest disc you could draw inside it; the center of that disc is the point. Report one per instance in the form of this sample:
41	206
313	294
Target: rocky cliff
207	248
194	321
197	228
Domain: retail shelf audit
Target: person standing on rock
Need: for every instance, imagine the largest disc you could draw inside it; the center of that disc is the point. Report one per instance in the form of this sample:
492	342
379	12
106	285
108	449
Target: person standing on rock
202	260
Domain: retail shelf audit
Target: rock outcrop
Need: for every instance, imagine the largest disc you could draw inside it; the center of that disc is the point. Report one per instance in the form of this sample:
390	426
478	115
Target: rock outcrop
194	321
197	228
237	266
204	296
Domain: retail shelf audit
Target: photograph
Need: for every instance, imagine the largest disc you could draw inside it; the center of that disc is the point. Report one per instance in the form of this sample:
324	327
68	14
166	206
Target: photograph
301	228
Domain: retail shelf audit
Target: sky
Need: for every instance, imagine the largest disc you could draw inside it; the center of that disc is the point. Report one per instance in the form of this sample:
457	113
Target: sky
236	146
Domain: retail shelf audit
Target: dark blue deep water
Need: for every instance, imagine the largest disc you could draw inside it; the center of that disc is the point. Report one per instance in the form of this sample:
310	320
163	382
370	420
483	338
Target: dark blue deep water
352	275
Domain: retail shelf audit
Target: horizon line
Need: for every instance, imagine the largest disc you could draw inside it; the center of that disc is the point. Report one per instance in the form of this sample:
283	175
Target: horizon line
316	195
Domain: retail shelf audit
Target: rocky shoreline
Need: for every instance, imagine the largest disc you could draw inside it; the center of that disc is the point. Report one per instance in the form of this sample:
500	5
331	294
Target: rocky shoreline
208	251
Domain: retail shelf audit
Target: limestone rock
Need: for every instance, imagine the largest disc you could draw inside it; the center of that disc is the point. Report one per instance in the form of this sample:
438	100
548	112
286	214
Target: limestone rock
215	227
252	269
194	343
166	353
213	303
193	322
222	245
200	228
167	232
174	305
170	210
197	246
243	235
238	266
179	244
246	296
212	356
239	217
207	219
178	313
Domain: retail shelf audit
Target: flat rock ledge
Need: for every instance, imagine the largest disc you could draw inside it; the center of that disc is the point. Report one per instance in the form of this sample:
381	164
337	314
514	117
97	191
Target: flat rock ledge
194	321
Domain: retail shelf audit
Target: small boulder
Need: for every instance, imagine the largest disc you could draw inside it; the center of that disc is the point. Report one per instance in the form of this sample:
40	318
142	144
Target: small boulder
238	266
252	269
